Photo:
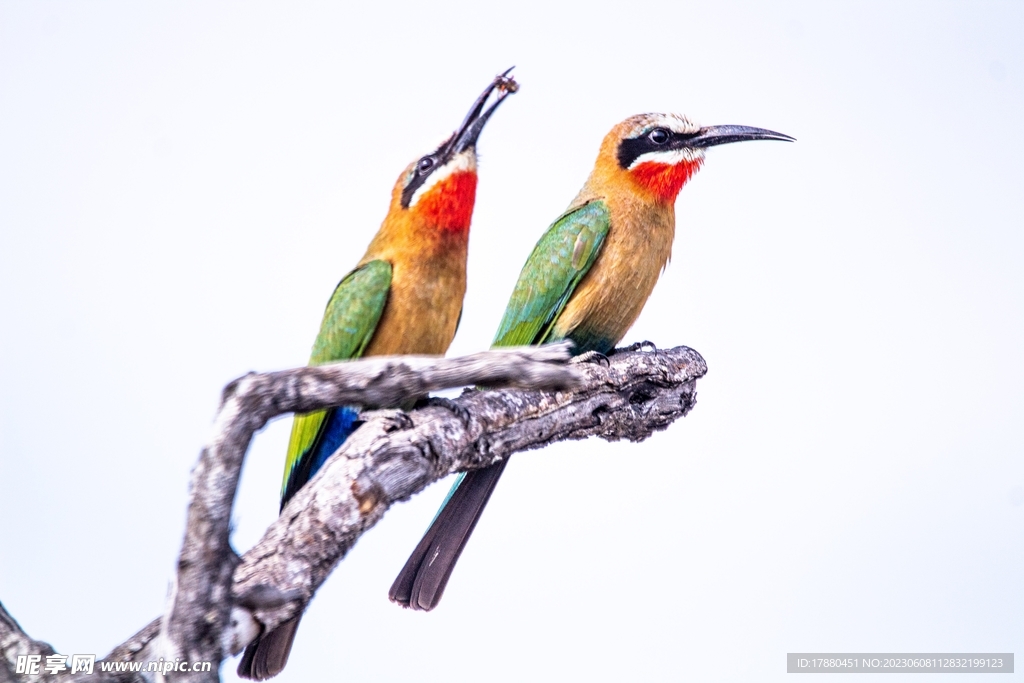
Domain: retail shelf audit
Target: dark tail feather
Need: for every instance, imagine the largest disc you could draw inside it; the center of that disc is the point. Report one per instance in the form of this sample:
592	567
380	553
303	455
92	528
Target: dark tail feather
266	657
421	582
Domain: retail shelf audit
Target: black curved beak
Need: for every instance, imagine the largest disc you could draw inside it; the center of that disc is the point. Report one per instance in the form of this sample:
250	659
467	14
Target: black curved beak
465	137
709	136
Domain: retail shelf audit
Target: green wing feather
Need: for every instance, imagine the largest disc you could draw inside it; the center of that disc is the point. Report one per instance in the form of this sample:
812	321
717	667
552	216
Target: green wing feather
349	323
559	261
562	257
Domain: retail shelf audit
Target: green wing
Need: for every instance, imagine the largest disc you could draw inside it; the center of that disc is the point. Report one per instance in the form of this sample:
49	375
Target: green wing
559	261
349	323
557	264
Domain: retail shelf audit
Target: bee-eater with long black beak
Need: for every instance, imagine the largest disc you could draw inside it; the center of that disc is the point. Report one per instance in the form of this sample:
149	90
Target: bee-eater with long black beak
403	297
587	280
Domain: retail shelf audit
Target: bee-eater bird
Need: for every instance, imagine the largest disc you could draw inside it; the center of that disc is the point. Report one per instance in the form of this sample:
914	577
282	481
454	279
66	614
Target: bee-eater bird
587	281
403	297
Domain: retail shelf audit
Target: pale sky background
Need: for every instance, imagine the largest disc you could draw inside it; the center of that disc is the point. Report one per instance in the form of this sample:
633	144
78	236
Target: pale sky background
182	185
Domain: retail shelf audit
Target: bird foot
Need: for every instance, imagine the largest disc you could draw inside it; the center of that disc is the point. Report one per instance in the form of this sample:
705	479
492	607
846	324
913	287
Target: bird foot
396	420
447	404
638	346
591	357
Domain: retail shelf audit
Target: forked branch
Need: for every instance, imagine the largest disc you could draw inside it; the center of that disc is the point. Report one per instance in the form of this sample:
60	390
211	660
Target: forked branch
221	602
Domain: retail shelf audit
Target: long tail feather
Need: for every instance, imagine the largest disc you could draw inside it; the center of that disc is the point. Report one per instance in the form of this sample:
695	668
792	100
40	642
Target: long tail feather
422	580
266	657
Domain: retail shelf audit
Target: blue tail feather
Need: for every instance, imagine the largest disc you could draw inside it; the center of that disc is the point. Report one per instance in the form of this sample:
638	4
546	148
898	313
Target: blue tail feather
338	426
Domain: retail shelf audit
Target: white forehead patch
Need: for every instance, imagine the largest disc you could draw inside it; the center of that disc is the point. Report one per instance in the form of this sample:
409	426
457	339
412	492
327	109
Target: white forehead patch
669	157
460	163
677	123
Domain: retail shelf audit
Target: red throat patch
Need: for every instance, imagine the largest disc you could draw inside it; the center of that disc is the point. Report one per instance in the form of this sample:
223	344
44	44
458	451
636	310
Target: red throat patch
449	204
664	180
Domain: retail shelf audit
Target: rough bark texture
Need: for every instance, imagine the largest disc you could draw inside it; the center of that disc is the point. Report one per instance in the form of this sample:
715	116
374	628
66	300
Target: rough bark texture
15	642
221	602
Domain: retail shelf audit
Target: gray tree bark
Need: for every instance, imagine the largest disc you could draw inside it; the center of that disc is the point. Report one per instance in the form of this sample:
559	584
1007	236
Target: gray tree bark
220	601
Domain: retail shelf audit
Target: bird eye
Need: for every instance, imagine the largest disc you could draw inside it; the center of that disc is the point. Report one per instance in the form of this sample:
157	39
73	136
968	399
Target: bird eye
659	136
424	165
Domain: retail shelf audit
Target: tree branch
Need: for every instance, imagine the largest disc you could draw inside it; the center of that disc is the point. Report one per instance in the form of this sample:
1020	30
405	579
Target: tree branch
201	600
391	457
14	643
388	460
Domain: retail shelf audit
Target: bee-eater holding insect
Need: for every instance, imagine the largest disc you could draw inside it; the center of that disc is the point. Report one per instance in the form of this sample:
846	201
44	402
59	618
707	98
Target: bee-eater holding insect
403	297
587	281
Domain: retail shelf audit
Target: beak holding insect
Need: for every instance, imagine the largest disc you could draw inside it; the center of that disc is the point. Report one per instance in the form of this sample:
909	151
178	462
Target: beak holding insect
500	88
442	186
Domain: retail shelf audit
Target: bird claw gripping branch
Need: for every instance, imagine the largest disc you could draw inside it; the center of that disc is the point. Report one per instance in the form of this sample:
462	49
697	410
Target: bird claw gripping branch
448	405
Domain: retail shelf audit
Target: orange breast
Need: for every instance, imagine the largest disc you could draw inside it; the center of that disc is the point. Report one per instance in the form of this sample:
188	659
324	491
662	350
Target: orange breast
428	283
422	310
611	296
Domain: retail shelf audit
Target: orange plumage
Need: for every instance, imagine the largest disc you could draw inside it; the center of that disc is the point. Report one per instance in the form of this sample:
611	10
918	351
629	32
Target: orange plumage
404	297
641	204
427	247
587	280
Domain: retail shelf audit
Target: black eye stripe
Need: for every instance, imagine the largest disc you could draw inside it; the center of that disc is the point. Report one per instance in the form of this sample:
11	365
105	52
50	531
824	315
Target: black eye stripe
631	149
420	176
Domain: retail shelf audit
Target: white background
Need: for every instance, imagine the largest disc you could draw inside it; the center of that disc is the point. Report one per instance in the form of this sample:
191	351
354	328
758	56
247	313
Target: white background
182	185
